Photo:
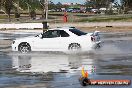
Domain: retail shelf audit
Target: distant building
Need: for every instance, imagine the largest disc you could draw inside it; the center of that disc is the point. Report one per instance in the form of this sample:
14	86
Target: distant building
66	4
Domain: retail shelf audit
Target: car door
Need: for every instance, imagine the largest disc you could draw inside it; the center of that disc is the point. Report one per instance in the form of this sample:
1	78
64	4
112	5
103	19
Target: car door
64	40
49	41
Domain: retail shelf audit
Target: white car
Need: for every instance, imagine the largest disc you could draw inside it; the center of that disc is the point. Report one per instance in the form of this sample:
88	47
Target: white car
58	39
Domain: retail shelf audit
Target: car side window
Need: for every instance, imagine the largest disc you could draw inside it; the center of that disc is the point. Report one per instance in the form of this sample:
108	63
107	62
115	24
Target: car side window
51	34
63	33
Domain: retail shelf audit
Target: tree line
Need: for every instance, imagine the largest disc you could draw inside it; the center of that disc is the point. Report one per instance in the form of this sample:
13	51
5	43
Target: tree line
15	6
32	5
122	5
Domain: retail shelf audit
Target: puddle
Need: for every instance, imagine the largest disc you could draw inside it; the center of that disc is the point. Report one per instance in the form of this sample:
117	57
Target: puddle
50	63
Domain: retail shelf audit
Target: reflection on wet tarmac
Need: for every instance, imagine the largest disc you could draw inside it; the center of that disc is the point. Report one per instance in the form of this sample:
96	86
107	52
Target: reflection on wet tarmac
42	68
51	63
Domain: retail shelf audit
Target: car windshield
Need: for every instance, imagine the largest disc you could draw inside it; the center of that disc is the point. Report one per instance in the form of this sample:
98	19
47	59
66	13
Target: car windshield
77	32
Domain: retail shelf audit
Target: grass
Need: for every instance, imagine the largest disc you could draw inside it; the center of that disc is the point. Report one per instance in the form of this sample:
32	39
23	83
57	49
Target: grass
5	16
84	17
106	19
56	17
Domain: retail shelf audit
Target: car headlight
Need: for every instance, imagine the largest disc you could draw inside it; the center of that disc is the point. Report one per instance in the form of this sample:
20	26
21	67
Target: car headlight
13	42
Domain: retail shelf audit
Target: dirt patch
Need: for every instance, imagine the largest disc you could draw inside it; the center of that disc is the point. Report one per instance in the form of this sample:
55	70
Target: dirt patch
107	29
5	45
5	42
86	29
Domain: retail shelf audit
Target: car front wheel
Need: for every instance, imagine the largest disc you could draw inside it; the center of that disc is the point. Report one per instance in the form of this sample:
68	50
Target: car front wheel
24	48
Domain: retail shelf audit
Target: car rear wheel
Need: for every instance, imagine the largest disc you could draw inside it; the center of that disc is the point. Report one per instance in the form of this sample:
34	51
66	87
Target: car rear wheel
74	47
98	46
24	48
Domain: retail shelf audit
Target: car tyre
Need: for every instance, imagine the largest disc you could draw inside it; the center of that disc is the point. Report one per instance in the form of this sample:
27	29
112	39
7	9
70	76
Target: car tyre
24	48
98	46
74	47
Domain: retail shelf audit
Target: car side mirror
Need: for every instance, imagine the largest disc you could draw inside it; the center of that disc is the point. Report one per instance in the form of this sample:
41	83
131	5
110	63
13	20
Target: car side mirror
40	36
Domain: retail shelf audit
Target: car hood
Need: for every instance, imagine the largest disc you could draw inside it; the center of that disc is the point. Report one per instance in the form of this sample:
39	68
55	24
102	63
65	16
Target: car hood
26	38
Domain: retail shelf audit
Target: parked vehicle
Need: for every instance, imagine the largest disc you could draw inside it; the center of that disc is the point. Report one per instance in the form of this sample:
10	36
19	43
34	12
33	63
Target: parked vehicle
69	10
58	39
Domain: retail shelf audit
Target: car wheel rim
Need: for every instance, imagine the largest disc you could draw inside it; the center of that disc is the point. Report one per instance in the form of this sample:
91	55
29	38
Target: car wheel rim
24	49
75	47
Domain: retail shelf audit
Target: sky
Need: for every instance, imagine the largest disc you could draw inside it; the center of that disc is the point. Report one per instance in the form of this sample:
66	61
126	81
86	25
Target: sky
72	1
69	1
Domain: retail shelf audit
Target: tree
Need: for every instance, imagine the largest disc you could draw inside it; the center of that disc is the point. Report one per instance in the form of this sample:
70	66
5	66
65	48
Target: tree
44	7
98	3
59	5
17	9
126	5
1	3
51	5
118	6
33	14
42	3
89	4
2	6
8	4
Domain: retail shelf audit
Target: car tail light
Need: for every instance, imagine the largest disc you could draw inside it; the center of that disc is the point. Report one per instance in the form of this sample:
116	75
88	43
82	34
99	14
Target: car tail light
92	38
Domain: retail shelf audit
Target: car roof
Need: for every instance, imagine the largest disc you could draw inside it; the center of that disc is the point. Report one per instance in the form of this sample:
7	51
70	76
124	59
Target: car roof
62	28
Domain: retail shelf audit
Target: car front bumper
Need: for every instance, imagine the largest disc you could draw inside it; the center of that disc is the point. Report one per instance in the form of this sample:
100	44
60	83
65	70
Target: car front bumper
14	47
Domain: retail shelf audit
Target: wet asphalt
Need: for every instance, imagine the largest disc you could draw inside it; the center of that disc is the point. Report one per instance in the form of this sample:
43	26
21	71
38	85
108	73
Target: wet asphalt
58	70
